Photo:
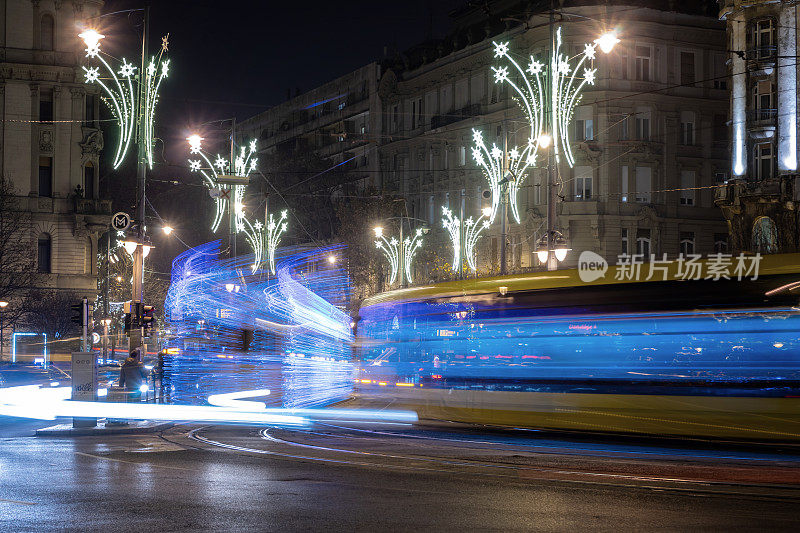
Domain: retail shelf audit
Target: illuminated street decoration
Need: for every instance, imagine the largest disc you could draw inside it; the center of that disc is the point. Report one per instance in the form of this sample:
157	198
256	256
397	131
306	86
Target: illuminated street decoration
453	226
536	94
399	253
121	96
231	196
274	232
472	233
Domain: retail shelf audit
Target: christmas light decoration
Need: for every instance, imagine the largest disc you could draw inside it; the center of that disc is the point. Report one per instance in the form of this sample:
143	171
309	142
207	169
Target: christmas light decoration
472	232
121	97
453	226
536	92
400	253
233	198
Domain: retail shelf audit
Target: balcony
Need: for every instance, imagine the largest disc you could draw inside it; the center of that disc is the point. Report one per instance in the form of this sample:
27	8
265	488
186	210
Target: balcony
762	115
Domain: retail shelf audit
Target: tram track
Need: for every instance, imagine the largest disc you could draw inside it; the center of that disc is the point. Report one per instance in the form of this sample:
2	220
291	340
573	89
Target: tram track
387	450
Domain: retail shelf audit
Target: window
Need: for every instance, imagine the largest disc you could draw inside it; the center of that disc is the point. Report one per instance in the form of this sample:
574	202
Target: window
46	105
765	236
462	94
477	89
431	105
623	63
763	161
584	124
643	243
46	176
763	100
687	243
720	243
87	256
447	200
643	184
88	180
446	99
431	211
623	129
687	187
583	183
46	34
720	128
624	184
89	111
720	178
764	34
462	155
624	241
395	118
643	124
643	63
44	251
687	128
687	69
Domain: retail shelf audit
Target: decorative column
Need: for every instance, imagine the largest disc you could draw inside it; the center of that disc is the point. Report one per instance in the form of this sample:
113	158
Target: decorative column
787	90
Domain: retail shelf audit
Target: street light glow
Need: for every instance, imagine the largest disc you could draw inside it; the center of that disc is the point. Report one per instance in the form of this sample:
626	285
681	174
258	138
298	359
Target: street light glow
378	231
91	38
544	140
195	142
167	229
487	211
331	259
3	305
542	255
561	253
607	41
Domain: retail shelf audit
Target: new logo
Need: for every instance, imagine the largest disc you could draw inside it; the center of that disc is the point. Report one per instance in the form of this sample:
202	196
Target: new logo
591	266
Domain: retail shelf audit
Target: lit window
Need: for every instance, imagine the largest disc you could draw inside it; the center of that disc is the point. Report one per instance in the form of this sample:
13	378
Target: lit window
687	187
583	183
687	243
643	63
764	161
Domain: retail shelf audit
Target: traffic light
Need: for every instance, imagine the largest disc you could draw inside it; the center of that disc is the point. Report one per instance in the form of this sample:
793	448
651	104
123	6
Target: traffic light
147	317
79	314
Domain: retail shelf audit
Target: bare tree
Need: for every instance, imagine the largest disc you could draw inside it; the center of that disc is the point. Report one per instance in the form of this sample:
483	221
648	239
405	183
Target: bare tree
18	273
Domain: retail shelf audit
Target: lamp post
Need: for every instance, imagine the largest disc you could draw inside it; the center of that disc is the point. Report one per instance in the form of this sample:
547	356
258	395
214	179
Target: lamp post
134	111
3	305
105	322
548	93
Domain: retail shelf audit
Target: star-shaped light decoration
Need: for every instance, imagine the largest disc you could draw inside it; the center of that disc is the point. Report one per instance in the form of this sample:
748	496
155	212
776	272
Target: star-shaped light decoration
258	225
92	74
535	67
253	145
589	50
563	67
194	165
127	69
500	74
588	75
165	43
253	163
496	152
151	69
500	49
514	153
165	68
221	163
477	155
477	137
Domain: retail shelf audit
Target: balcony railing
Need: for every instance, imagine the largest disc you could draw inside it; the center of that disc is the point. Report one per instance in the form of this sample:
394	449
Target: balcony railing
762	53
759	115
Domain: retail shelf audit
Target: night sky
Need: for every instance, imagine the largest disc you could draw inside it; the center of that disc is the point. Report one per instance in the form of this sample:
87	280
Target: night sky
238	58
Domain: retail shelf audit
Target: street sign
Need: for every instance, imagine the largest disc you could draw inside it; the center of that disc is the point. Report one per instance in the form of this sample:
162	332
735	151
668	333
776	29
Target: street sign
84	383
227	179
121	221
95	337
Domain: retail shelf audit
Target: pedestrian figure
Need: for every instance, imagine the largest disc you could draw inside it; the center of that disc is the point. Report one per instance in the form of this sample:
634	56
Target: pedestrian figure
132	376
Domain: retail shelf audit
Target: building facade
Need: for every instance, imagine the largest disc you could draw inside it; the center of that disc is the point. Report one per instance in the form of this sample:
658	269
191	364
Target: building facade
761	200
650	137
50	140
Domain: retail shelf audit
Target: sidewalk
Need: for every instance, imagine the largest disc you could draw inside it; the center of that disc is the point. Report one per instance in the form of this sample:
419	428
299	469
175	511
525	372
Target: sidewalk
133	427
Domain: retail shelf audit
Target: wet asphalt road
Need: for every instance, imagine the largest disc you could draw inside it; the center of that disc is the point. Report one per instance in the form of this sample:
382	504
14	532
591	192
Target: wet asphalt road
390	477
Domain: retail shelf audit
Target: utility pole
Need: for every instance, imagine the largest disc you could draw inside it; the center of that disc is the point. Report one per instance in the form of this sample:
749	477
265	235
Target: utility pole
503	199
141	180
232	200
552	262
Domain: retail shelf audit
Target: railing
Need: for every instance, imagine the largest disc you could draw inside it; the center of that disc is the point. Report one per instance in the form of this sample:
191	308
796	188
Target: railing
758	115
761	53
90	206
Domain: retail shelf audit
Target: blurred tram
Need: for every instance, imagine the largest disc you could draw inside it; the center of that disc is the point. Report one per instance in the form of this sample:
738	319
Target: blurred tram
680	357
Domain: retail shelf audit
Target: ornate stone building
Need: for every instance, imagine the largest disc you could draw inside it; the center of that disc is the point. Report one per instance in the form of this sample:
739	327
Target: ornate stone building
649	137
50	139
761	200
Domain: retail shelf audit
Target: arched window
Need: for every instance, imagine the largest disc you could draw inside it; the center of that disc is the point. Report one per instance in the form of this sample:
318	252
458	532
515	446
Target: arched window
765	236
47	32
45	248
88	180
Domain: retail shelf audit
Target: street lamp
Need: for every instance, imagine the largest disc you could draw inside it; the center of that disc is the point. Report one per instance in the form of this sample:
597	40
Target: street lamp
3	305
105	322
167	230
552	243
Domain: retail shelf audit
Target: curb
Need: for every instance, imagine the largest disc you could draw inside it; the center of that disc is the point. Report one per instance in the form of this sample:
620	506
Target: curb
66	430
